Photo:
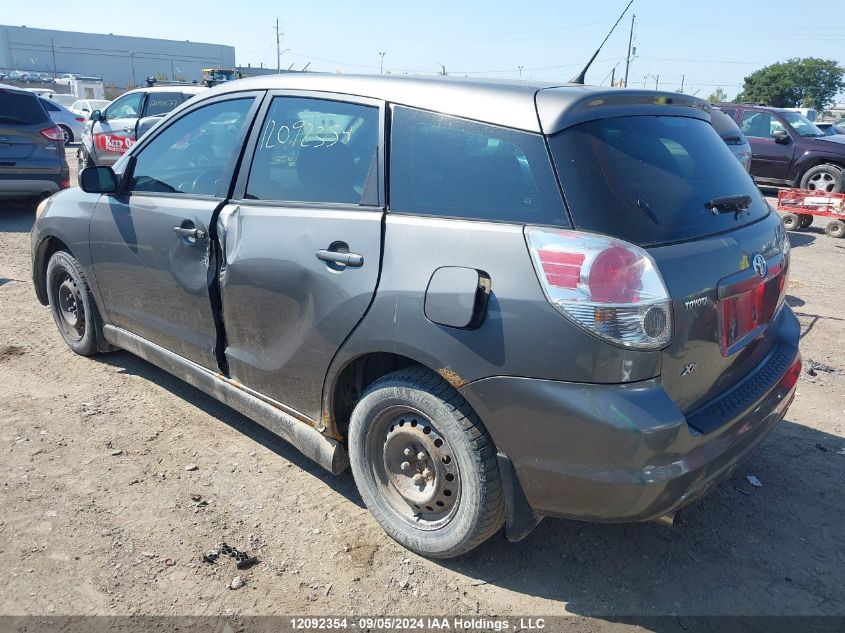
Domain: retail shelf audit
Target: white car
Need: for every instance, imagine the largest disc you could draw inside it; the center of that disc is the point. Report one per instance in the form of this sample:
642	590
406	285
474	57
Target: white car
84	107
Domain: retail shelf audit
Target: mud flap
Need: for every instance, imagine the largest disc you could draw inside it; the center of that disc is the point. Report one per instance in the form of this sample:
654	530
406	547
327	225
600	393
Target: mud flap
520	519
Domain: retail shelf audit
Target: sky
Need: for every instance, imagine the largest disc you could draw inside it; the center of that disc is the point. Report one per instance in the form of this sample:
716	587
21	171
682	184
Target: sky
704	44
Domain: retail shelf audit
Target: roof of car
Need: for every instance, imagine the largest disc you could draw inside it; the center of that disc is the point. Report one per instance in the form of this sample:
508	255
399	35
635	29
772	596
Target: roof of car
187	89
8	88
510	103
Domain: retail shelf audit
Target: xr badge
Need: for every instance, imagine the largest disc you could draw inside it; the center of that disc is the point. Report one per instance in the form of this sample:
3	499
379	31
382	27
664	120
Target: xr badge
688	369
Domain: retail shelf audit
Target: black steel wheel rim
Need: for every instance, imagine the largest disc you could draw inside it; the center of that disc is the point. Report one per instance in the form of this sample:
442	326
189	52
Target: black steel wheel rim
414	468
69	307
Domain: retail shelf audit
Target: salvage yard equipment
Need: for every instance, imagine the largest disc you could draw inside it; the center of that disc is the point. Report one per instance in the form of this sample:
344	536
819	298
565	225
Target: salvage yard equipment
798	207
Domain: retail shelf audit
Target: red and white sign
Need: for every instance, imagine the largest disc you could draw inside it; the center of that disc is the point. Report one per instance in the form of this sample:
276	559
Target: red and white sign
113	143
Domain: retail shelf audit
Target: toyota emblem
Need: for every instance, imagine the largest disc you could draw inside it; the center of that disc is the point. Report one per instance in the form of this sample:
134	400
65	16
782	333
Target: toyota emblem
760	265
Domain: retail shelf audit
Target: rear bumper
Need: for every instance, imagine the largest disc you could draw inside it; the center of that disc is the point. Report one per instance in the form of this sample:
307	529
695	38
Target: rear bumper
623	452
25	186
17	188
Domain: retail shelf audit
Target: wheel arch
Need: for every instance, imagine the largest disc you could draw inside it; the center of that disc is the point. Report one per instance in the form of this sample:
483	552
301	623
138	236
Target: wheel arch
45	250
815	161
343	387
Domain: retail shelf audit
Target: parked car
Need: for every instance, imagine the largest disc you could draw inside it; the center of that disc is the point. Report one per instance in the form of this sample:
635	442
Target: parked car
787	149
732	136
65	100
18	75
479	352
830	128
115	129
71	123
85	107
32	158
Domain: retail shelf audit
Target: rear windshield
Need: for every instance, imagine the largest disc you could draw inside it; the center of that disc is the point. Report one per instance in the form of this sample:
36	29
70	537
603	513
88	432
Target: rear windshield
646	179
21	109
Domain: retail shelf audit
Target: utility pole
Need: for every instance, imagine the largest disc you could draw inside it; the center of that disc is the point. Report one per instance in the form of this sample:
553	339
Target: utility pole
381	65
278	49
132	59
630	42
520	71
682	83
53	50
613	77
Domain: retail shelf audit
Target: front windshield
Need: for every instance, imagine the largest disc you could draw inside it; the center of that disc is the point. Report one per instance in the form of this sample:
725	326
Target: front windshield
801	124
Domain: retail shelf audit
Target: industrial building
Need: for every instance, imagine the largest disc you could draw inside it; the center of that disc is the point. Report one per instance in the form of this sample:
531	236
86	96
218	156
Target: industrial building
119	60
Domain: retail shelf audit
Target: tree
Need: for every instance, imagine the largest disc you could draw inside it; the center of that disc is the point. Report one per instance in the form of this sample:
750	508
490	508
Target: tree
809	82
718	96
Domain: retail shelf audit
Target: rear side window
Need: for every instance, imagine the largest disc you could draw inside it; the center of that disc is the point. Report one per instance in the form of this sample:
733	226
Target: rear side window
646	179
162	102
50	107
23	109
445	166
316	150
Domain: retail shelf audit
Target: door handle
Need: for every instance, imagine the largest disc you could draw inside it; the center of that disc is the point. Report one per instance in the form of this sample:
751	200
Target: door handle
353	260
190	233
128	129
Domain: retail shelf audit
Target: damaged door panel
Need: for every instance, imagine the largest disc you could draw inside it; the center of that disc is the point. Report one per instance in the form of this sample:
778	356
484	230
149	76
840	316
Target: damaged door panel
151	244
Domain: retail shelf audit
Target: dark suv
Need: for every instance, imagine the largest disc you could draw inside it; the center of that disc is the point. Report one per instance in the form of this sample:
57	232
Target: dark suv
787	149
497	301
32	153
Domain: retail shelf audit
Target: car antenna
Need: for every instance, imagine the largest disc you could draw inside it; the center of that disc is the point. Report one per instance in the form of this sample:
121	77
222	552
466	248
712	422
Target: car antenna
579	78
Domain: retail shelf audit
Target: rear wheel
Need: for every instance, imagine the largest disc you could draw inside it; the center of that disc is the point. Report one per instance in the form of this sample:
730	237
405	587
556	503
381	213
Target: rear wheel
791	222
425	465
806	220
72	305
67	134
824	178
835	228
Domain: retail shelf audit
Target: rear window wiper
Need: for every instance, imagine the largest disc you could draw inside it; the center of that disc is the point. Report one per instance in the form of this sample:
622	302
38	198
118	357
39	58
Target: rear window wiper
728	204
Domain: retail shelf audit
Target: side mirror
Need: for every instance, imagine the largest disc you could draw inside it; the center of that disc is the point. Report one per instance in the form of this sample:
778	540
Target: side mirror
781	136
98	179
96	115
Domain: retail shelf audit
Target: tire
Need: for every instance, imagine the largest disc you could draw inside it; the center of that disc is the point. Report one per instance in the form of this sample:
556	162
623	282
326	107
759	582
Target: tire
835	229
68	134
824	178
459	504
806	220
72	305
791	222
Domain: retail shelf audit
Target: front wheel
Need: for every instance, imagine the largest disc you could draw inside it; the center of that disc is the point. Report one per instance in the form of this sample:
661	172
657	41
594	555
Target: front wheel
83	161
425	465
72	304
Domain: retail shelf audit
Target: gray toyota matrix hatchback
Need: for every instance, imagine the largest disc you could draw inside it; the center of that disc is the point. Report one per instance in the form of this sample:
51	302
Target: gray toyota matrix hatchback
495	301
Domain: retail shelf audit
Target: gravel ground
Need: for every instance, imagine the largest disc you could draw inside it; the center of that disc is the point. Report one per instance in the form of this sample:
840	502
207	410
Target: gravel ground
102	516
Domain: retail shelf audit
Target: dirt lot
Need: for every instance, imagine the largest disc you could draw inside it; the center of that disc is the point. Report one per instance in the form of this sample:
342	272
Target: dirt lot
100	515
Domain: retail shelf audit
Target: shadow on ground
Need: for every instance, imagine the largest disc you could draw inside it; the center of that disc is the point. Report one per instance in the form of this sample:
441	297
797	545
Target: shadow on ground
133	365
16	217
768	550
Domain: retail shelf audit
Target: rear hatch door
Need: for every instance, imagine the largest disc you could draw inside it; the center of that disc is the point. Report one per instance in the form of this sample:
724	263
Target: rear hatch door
653	181
23	148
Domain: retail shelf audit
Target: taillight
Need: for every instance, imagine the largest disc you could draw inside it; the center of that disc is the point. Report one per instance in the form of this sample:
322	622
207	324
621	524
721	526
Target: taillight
53	133
608	287
80	119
